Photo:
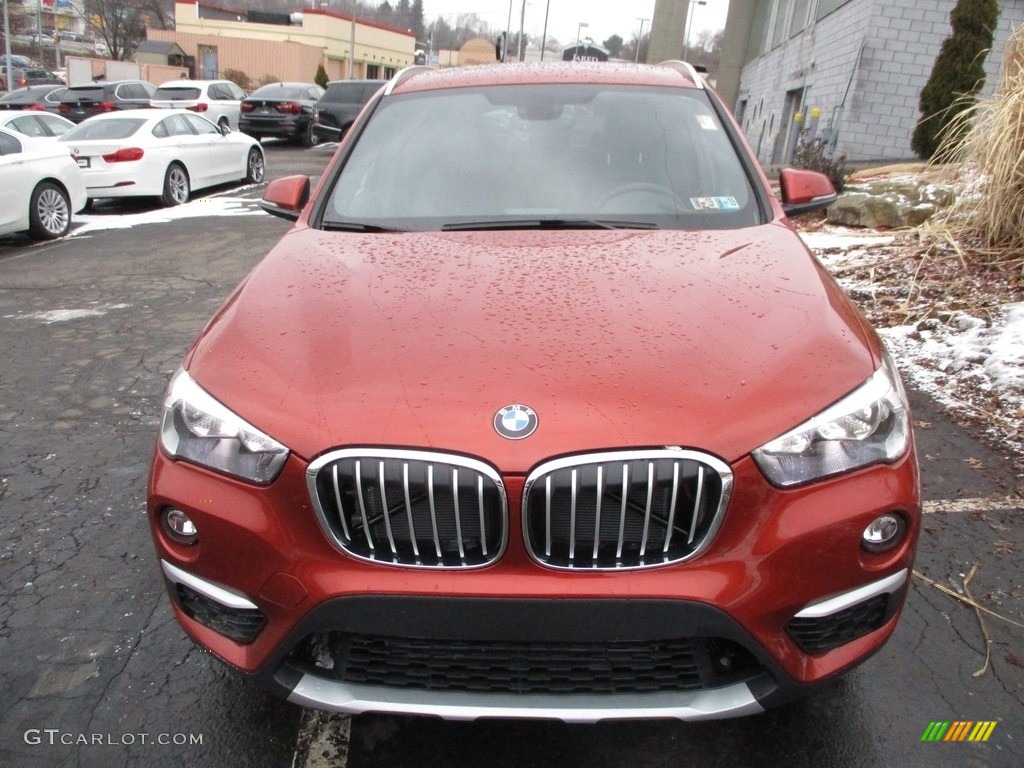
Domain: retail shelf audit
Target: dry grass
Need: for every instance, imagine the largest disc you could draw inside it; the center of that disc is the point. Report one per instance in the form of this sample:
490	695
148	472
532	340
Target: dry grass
988	217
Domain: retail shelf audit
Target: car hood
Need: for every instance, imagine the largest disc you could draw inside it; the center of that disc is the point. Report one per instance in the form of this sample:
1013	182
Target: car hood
713	340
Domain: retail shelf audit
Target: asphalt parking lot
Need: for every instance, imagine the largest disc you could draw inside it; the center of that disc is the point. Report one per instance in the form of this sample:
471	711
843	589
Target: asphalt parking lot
96	672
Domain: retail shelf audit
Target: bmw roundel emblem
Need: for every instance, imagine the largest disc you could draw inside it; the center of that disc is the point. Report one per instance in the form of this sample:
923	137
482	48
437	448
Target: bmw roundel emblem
515	421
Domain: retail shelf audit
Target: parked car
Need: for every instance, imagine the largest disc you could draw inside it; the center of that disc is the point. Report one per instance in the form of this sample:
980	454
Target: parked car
35	97
160	153
337	108
216	100
541	409
88	99
41	187
283	110
34	123
38	76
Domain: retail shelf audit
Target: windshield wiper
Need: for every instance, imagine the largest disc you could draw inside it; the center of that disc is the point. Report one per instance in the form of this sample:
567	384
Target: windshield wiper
355	226
546	224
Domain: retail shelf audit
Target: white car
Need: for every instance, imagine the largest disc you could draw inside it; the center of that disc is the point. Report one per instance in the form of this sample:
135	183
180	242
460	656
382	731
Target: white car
216	100
41	187
35	124
160	153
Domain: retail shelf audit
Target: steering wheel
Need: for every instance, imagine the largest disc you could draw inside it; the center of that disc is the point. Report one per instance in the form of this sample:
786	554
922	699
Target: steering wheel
640	197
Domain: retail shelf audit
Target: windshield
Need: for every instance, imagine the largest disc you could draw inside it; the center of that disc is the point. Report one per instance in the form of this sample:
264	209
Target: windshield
93	130
176	94
546	155
89	93
283	92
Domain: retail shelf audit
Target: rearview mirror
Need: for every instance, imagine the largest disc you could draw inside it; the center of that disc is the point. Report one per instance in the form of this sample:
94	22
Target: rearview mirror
805	191
286	197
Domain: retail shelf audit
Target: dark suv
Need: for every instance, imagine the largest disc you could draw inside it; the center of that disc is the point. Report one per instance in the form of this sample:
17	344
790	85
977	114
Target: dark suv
82	101
284	110
338	107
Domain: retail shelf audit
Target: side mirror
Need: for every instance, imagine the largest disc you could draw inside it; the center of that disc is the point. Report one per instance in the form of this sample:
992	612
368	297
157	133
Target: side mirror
805	191
225	129
286	197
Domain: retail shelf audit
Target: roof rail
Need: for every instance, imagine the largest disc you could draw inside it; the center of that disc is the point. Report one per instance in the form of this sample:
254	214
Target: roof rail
405	74
684	67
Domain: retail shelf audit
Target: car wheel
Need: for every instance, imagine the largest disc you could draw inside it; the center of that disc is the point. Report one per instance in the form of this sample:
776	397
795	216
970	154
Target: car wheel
176	187
309	137
256	170
49	213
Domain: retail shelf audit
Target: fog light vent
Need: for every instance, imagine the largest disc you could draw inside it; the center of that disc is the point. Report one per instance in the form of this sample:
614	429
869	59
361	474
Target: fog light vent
240	624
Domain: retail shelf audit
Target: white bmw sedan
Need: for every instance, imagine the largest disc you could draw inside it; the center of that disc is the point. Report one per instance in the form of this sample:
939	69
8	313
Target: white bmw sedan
160	153
41	187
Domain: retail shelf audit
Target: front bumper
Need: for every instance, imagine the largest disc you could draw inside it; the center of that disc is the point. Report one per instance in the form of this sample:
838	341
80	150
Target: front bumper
780	556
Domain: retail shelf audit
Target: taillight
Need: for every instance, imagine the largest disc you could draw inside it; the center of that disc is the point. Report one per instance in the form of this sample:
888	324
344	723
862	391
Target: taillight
290	107
125	154
105	106
62	107
36	107
245	106
199	108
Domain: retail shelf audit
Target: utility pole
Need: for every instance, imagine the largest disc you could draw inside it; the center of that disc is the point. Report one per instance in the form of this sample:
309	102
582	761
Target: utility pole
522	23
7	48
544	38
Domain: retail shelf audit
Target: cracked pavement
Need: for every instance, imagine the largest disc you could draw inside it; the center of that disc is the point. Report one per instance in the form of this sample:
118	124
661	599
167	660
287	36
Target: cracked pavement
91	329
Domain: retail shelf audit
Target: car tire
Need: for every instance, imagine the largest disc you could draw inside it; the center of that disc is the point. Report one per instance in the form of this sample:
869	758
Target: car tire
176	186
49	213
255	166
309	137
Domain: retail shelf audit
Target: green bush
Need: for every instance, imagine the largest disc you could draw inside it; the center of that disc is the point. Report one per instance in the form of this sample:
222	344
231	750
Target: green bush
321	76
958	74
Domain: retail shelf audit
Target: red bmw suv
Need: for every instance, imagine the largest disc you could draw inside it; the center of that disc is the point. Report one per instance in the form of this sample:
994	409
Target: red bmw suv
541	409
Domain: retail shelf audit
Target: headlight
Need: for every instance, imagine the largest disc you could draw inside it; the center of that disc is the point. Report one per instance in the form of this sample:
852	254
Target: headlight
199	429
869	426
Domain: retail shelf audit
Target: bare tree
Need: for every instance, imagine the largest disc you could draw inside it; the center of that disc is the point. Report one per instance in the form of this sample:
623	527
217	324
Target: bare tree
121	24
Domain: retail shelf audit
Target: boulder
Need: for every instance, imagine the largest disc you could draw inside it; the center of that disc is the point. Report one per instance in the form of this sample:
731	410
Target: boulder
889	203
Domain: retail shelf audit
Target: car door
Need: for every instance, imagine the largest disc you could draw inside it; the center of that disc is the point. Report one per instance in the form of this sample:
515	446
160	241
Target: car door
225	158
15	185
182	143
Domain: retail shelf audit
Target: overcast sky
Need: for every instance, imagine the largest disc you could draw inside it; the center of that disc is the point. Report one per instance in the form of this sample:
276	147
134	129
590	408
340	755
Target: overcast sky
606	18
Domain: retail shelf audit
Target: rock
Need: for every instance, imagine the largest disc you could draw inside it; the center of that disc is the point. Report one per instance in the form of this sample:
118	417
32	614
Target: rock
889	203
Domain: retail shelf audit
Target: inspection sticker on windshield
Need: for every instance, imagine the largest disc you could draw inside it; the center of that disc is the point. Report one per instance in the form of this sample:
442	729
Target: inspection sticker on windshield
715	203
707	122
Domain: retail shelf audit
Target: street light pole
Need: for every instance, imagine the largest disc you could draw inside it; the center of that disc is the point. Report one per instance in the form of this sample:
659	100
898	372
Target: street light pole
686	32
352	46
636	59
576	51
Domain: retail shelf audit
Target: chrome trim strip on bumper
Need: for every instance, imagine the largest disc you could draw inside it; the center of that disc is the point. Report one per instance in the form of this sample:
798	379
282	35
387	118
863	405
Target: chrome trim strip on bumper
849	599
225	597
320	693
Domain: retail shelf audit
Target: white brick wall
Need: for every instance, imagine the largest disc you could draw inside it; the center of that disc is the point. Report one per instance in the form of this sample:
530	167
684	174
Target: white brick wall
900	40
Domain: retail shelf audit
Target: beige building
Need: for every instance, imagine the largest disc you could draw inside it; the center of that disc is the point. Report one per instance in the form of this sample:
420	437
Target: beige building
288	47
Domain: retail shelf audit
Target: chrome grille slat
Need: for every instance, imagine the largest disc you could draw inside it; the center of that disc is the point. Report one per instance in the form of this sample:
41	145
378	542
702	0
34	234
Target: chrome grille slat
624	509
410	508
384	504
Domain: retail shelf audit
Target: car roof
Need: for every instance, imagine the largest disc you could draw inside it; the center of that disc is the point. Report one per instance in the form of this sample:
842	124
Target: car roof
106	83
193	83
670	74
145	114
11	113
